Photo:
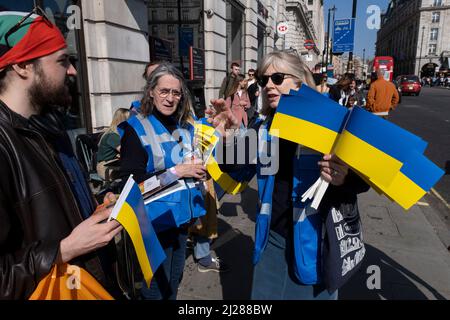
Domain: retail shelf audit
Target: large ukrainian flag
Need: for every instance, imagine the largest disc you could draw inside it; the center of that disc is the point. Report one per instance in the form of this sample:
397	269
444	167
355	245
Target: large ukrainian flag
309	119
206	140
129	211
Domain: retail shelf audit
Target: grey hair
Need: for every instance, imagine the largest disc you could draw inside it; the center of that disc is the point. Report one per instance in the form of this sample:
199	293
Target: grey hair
184	110
289	62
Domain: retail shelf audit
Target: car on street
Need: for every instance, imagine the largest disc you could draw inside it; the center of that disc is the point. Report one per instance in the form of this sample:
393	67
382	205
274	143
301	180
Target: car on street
396	82
409	84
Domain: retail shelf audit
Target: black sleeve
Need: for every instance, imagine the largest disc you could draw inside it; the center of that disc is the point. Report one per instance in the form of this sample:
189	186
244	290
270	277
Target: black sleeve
353	185
22	266
133	157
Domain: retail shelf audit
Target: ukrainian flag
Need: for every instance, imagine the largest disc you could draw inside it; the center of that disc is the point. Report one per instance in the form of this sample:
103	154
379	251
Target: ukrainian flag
417	176
375	147
206	139
310	119
129	211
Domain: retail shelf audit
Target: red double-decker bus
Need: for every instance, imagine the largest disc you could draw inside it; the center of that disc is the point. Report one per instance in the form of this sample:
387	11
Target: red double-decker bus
384	63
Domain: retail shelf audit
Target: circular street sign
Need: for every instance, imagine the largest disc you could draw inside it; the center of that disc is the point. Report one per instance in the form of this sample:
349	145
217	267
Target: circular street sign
309	44
282	28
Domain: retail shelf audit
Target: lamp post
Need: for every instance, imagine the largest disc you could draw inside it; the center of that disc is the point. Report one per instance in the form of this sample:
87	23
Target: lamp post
350	57
327	41
420	56
331	49
364	63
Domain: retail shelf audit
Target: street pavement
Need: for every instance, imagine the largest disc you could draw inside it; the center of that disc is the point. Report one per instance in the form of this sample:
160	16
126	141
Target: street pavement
408	247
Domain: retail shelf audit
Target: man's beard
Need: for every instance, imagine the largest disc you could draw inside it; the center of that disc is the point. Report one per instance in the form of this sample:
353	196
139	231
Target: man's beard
44	94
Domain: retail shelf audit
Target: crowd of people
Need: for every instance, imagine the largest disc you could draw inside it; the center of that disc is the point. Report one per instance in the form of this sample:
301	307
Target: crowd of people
48	213
441	81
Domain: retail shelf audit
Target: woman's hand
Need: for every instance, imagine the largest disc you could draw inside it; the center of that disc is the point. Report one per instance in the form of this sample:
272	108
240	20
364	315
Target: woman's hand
333	170
191	170
221	116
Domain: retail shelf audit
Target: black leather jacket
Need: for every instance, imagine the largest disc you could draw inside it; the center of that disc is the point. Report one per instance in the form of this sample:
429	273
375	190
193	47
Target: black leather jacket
37	209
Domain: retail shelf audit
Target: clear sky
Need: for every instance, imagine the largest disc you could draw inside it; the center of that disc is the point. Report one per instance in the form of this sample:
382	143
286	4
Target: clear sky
364	37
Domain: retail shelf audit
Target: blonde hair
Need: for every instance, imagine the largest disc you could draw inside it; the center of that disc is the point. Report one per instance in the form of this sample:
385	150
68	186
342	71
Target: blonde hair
120	115
289	62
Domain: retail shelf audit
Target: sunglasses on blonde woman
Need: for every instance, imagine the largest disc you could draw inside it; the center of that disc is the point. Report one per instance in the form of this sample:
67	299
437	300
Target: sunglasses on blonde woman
277	78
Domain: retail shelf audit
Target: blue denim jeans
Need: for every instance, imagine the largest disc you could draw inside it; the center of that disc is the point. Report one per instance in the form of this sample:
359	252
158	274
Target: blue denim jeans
273	279
202	247
167	278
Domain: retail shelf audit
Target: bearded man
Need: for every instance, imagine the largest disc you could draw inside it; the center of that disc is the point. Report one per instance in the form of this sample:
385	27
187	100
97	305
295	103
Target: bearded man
45	203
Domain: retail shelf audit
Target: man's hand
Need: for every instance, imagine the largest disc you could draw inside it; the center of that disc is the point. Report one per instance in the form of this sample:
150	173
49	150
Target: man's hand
333	170
93	233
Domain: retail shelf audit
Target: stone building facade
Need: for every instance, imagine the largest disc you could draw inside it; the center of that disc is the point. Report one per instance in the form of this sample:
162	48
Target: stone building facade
416	33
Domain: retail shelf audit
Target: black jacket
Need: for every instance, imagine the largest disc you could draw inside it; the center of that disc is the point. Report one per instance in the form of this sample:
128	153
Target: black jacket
37	209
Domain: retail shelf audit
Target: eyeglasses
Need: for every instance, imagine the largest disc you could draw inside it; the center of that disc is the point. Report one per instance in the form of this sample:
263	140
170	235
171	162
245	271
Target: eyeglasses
164	93
251	74
277	78
36	10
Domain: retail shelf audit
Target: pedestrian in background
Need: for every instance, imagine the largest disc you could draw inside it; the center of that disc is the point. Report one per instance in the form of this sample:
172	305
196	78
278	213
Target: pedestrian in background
228	82
109	144
239	101
342	90
253	93
382	97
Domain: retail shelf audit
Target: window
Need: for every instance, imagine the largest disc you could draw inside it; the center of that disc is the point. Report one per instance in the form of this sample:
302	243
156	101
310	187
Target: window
432	48
434	33
155	31
435	17
310	2
170	29
437	3
169	14
185	15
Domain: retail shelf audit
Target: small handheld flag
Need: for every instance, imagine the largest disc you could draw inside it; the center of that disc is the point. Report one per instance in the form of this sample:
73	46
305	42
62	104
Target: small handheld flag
130	212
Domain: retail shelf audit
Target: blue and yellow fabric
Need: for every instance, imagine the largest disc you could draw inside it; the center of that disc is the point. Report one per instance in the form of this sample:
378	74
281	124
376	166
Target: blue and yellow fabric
130	212
165	151
386	156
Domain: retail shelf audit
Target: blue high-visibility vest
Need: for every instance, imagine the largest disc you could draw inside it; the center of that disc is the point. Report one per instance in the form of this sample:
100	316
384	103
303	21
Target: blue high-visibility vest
165	151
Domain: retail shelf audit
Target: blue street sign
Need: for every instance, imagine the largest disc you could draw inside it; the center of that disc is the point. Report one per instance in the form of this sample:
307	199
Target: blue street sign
186	40
344	35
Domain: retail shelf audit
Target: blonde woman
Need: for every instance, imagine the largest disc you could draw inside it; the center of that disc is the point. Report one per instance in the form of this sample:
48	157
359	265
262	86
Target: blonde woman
288	257
109	144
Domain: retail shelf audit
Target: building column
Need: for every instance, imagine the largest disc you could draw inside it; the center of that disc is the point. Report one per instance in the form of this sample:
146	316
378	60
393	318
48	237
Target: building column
116	38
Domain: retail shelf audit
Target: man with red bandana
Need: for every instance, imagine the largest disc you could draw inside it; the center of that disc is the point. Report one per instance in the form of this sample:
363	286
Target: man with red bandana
45	203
